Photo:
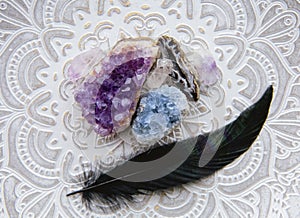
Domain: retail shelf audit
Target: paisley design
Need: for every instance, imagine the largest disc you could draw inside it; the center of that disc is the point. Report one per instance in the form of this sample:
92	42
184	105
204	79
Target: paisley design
44	142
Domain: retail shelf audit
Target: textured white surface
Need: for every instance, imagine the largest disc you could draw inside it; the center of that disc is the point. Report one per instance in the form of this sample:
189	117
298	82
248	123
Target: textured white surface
43	140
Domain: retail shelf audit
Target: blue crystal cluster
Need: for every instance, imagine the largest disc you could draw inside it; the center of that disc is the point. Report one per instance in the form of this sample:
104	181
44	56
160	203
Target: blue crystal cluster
156	115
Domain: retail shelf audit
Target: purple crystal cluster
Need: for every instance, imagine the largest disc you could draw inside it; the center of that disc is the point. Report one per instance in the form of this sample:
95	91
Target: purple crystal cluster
108	110
124	51
208	72
86	95
108	97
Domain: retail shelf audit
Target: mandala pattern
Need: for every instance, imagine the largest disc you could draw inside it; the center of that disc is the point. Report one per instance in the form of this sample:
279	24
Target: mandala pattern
44	141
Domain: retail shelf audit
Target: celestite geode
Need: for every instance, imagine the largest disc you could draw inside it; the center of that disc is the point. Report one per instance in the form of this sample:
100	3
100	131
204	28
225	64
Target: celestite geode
158	112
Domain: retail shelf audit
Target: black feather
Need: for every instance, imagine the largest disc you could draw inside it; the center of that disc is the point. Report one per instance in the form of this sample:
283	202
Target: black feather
191	160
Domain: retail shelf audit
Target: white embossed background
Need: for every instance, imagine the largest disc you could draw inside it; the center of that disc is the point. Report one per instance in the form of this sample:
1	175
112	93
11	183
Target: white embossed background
44	141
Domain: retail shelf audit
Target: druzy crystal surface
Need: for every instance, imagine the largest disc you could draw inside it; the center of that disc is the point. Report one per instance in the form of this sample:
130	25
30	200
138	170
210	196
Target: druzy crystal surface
205	65
116	95
158	112
108	96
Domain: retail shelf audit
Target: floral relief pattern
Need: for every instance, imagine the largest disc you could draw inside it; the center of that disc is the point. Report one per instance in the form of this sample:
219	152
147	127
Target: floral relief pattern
44	141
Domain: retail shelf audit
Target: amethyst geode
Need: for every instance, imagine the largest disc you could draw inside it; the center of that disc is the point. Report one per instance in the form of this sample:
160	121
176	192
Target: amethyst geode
108	96
116	98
